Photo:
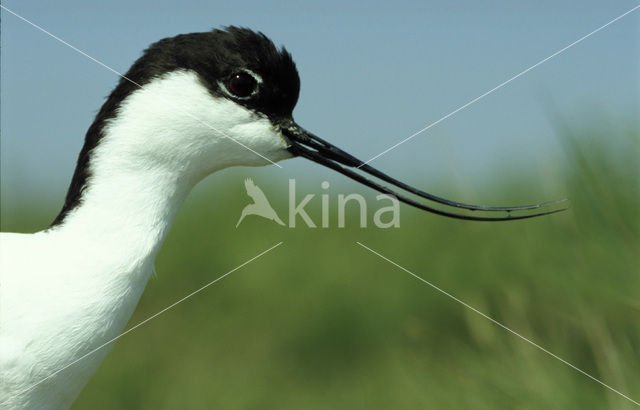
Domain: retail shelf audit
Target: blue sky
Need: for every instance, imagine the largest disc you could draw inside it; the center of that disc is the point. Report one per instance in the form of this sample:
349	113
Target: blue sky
372	74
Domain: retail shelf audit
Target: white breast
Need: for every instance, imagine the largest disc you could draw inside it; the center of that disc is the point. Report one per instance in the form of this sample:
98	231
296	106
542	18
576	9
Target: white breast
68	290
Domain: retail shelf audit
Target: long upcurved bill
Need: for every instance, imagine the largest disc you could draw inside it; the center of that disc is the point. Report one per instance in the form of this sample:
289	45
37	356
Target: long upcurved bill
305	144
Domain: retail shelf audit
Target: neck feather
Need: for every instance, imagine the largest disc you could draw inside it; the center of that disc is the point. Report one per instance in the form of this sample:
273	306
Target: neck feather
127	208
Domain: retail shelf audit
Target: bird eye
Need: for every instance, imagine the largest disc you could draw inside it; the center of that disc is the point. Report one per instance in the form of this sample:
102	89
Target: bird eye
242	85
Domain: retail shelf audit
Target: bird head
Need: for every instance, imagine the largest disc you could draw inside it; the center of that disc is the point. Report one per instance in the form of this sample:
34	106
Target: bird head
200	102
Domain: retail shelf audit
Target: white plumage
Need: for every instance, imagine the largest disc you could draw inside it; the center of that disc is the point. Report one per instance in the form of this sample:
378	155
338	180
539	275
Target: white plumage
66	290
201	102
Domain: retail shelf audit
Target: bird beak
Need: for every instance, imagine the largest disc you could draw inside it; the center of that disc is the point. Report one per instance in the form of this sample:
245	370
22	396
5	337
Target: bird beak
305	144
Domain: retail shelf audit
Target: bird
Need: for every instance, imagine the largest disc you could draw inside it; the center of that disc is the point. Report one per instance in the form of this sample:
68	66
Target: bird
190	105
260	205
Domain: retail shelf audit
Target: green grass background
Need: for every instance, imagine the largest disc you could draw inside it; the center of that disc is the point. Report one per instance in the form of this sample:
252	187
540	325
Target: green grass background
322	323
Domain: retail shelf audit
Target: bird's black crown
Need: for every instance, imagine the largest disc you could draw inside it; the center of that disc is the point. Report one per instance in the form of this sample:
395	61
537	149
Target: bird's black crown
215	56
219	54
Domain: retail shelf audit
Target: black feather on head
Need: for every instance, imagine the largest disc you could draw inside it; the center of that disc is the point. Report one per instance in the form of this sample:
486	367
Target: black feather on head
214	56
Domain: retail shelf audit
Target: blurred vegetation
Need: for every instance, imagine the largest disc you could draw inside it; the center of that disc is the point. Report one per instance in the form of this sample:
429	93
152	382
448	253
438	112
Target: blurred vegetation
321	323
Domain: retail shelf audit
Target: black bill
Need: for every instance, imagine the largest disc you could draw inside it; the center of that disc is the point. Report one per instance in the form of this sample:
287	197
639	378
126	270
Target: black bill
305	144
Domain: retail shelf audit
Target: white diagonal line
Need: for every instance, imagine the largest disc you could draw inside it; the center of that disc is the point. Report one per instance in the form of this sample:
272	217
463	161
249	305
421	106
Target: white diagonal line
142	323
164	100
500	324
499	86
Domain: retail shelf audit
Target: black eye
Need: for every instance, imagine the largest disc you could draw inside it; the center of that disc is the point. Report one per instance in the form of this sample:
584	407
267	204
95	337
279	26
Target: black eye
242	85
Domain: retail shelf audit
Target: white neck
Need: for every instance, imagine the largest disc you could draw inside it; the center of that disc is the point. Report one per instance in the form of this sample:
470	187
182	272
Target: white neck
110	241
125	216
149	157
94	267
86	274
